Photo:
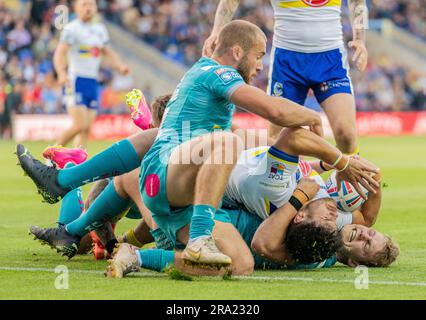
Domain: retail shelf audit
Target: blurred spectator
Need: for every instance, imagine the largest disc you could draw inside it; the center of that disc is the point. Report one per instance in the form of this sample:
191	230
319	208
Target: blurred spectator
178	29
19	37
27	41
407	14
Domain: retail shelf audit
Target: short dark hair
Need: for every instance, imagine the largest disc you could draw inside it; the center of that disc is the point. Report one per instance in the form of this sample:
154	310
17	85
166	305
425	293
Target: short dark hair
158	107
308	242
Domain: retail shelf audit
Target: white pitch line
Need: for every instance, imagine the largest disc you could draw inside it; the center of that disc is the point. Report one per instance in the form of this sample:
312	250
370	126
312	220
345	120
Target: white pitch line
252	278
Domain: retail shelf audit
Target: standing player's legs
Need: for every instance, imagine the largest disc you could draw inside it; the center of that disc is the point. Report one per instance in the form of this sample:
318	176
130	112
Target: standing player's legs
340	111
78	115
332	85
286	80
83	102
81	138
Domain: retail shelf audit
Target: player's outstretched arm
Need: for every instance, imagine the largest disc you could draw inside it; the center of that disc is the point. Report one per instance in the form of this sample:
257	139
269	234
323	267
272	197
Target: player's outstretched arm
224	13
359	19
298	141
367	214
279	111
115	60
60	62
269	239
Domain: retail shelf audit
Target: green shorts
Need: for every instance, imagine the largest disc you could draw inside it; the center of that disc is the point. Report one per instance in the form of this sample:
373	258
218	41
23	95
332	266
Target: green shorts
152	183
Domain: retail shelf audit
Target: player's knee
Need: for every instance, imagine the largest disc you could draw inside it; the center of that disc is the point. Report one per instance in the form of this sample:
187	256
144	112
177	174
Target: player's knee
346	139
118	184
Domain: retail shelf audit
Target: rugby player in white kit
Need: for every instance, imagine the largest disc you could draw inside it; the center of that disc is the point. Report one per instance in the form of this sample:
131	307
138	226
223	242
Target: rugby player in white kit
77	60
308	53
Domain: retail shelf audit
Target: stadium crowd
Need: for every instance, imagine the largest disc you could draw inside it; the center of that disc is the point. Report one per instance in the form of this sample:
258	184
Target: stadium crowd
177	28
28	83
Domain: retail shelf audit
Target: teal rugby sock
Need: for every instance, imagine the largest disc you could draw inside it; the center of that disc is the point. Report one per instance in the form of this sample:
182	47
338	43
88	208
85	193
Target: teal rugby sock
120	158
106	206
156	259
202	222
72	205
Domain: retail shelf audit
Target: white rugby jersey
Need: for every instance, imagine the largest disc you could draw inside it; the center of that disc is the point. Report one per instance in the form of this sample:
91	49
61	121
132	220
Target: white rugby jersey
308	26
260	183
86	41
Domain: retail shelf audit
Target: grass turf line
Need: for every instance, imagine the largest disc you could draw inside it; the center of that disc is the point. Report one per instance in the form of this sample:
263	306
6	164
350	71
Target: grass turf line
404	169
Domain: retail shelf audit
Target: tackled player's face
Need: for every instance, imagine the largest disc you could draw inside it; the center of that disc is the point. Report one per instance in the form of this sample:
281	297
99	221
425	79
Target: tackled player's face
323	212
85	9
252	62
361	244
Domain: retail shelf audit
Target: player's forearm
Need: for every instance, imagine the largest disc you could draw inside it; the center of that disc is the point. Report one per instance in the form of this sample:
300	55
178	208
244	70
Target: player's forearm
279	111
60	59
113	58
371	208
286	113
301	142
224	13
268	241
359	19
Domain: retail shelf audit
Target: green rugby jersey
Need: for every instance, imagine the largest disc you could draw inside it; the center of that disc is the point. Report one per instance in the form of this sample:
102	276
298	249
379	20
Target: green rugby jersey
200	104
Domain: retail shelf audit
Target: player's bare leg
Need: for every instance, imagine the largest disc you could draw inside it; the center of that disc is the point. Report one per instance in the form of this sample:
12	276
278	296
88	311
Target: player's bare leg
120	158
127	186
340	110
197	174
78	116
81	138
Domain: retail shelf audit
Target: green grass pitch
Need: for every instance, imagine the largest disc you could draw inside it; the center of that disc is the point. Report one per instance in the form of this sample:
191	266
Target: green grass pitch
27	268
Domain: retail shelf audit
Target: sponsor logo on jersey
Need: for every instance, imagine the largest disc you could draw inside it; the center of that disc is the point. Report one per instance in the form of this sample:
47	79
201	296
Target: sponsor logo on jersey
220	70
277	171
89	52
227	75
309	3
316	3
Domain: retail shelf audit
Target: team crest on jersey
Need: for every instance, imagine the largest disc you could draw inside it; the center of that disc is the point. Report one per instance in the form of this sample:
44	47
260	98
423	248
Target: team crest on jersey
278	89
316	3
277	171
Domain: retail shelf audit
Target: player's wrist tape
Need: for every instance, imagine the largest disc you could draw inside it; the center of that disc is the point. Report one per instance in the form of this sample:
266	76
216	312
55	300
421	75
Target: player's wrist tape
303	192
345	167
337	161
295	203
321	164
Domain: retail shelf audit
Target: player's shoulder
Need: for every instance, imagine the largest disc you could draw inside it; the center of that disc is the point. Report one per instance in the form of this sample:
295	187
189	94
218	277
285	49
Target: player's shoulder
99	25
72	25
209	68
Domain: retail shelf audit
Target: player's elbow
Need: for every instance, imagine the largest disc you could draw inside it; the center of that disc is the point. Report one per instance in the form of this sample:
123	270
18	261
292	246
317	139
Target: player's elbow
369	221
260	246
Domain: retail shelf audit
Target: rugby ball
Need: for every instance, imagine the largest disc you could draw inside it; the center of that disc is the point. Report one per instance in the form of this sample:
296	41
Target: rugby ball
347	198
